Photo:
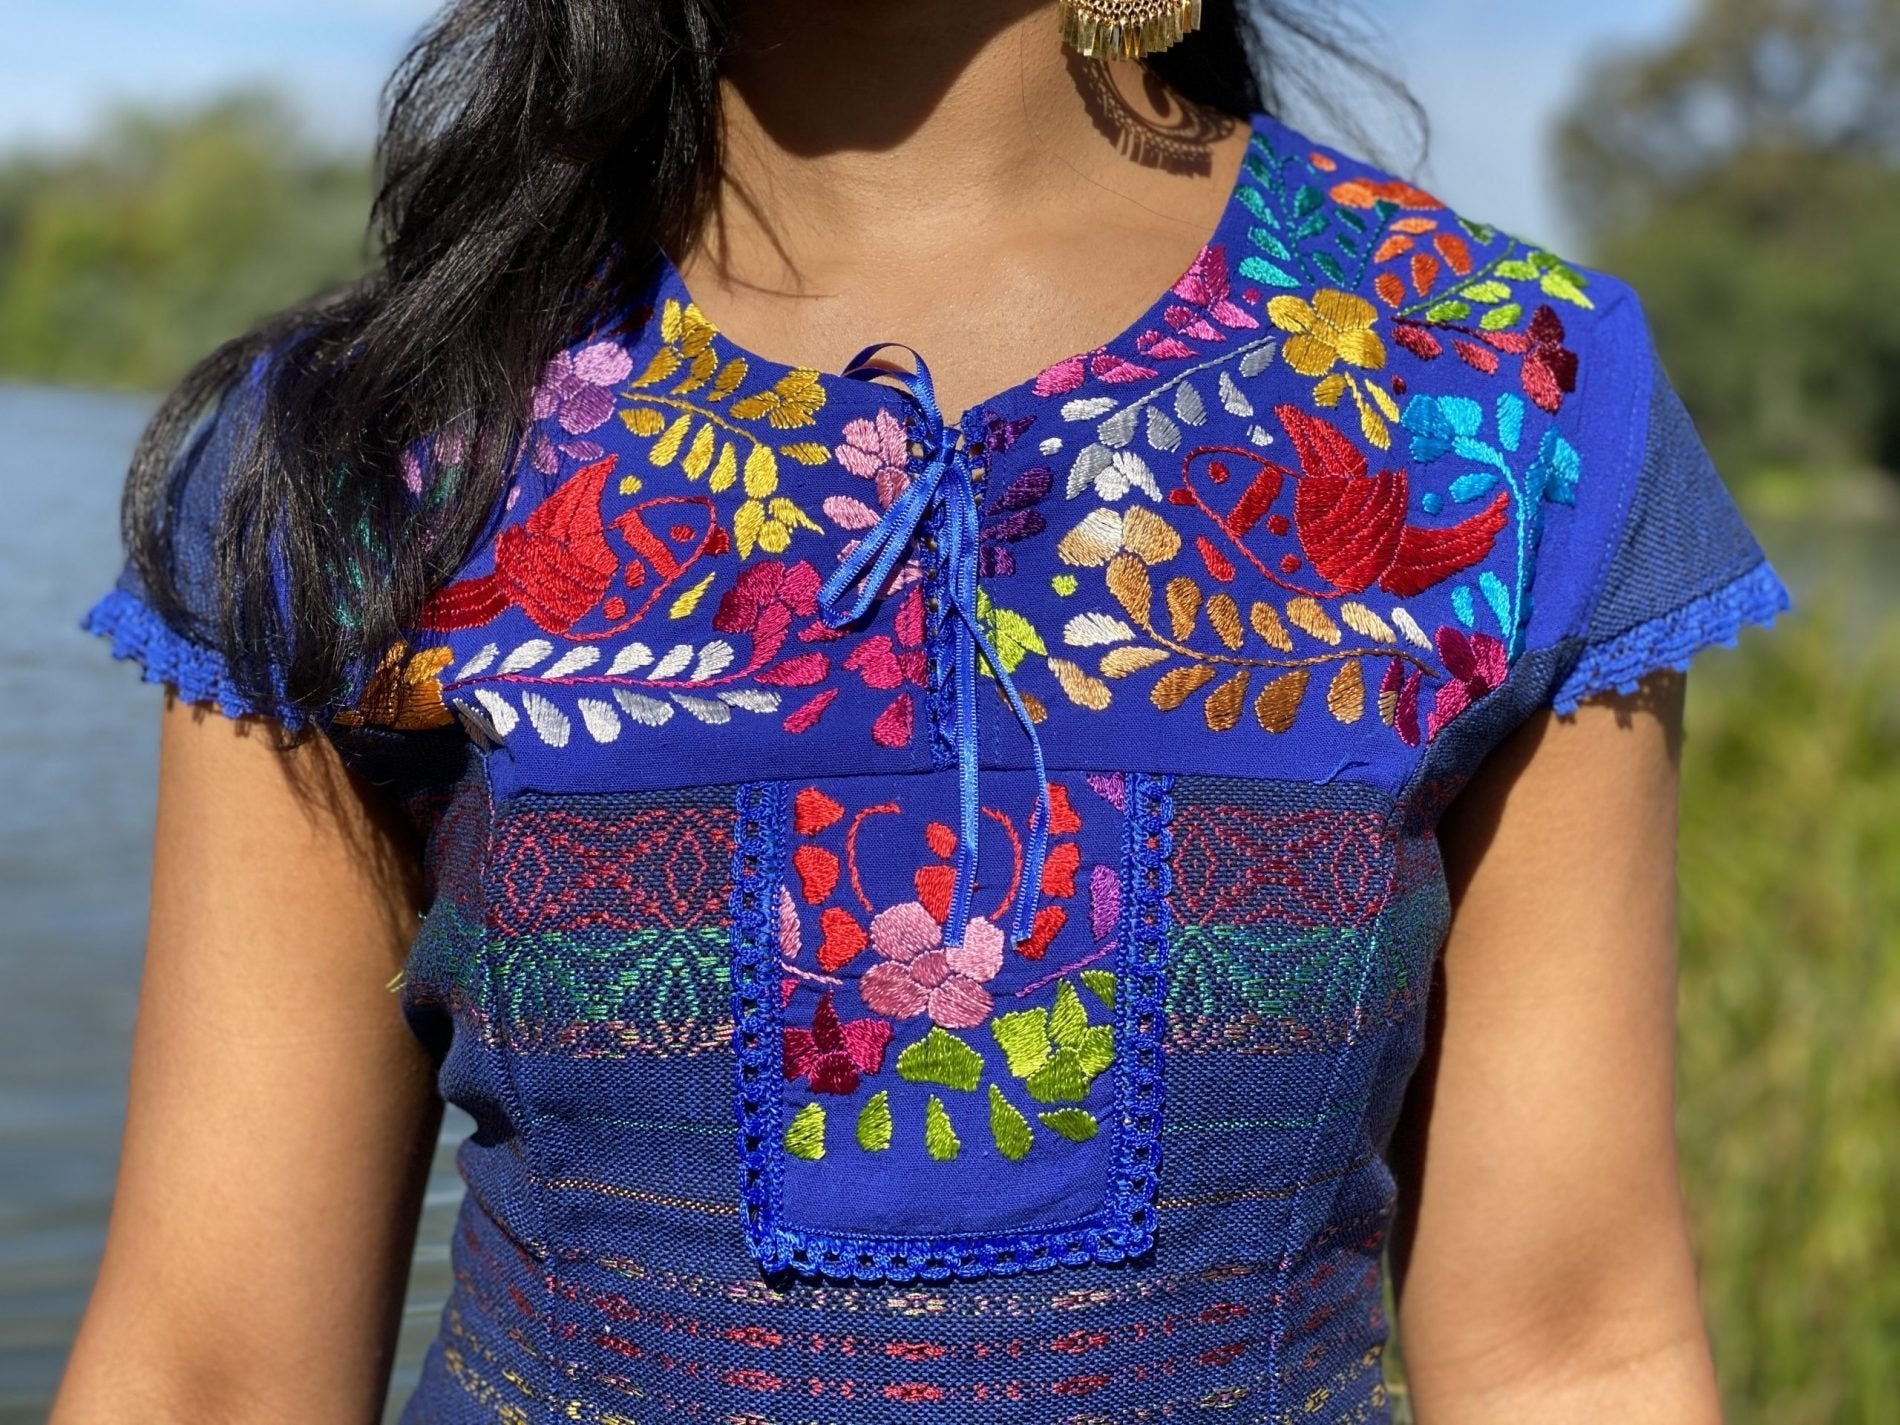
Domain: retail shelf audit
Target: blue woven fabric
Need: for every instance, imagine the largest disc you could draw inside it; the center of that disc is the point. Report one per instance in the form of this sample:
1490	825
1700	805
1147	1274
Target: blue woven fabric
933	916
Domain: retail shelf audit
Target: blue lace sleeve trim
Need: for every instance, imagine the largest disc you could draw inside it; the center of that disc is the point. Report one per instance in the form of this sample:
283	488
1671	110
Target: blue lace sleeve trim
1672	639
166	656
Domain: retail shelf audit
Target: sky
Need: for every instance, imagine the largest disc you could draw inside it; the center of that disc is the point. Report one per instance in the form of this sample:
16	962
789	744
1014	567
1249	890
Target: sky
1491	74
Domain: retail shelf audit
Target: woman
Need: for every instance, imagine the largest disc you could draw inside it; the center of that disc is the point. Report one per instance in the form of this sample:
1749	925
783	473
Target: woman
988	880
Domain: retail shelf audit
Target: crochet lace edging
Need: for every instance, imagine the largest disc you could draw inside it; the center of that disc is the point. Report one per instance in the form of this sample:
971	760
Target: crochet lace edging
165	656
1673	639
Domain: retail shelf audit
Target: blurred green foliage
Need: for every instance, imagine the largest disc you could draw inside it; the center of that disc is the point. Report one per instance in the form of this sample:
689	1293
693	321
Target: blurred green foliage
126	260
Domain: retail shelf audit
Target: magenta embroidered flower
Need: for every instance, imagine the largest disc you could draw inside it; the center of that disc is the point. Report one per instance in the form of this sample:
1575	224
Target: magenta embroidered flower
879	451
1477	664
576	389
834	1052
919	976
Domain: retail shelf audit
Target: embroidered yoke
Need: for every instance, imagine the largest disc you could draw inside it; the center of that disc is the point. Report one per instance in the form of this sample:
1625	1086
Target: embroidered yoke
932	920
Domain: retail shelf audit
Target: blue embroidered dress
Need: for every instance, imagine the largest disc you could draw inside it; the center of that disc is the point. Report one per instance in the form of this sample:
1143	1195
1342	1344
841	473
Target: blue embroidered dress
932	921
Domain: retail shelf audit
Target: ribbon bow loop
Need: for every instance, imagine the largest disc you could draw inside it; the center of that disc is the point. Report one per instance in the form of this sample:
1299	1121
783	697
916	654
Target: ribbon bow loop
943	475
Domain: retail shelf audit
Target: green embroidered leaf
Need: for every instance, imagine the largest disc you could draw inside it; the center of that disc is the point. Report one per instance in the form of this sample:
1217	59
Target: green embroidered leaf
1068	1021
1008	1127
1308	200
874	1122
1024	1037
1013	636
1448	312
1503	318
1517	269
1101	983
1487	291
1078	1125
805	1134
1255	202
941	1058
1269	242
1327	263
1064	1079
1097	1050
940	1139
1258	269
1564	287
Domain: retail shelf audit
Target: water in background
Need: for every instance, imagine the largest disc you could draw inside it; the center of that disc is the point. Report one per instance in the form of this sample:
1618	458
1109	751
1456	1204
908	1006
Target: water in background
78	760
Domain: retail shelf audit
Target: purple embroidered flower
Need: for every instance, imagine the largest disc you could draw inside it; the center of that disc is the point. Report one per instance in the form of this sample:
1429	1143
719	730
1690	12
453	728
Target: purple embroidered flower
1476	663
879	451
576	390
918	976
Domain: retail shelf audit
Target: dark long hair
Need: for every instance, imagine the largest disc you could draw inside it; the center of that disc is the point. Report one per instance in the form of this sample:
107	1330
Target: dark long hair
531	154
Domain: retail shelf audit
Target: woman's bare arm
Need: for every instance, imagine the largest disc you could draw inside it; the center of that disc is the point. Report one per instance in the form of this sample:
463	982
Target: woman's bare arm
1544	1266
281	1115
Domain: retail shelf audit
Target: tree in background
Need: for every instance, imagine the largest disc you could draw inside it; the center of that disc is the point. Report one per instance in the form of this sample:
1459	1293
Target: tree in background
129	257
1745	177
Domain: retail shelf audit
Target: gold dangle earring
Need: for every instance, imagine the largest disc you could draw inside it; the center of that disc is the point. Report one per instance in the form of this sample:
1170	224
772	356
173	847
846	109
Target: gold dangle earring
1127	29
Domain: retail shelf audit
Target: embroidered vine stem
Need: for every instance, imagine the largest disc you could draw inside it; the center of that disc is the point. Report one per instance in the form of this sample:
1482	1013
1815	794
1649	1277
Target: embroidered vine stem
691	408
1235	661
1224	359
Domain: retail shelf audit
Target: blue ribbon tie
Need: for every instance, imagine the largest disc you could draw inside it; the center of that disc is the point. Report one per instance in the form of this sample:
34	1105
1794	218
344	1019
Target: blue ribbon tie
944	469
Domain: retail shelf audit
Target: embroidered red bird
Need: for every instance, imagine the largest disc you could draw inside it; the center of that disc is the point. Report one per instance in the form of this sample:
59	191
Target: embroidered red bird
560	567
1350	524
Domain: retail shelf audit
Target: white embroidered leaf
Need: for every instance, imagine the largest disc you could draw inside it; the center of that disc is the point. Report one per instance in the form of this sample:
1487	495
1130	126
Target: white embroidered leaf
677	657
714	659
548	720
752	700
707	710
642	709
634	655
485	655
1092	460
1095	630
1163	434
527	655
572	661
1051	446
1233	398
1119	428
848	513
1188	404
1253	362
1127	471
600	719
501	716
1408	626
1087	408
1258	435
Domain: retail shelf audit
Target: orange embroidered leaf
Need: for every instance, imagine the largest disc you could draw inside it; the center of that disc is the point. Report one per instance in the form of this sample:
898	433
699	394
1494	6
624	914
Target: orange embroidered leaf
1414	225
1390	288
1179	684
1128	582
1120	662
1083	690
1149	537
1346	698
1425	270
1267	624
1394	246
1279	702
1364	622
1184	605
1225	704
1224	615
1309	617
1455	251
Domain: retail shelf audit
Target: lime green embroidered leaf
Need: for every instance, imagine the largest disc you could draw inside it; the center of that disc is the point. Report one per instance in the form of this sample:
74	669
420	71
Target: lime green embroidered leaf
1024	1038
941	1058
874	1122
1518	270
684	605
1061	1080
1101	983
1564	287
1500	319
1008	1127
1486	291
1013	636
939	1137
1068	1021
1078	1125
1448	312
805	1134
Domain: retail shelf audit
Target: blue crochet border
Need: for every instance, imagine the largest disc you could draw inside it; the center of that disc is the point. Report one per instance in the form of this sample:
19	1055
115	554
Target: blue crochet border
1671	640
1122	1228
164	655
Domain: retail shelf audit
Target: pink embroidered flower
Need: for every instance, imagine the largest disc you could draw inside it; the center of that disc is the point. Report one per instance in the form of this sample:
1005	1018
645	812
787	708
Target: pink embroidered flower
879	451
918	976
576	389
1477	664
833	1052
888	664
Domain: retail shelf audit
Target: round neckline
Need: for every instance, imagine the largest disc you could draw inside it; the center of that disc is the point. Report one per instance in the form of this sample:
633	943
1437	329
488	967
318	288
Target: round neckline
671	283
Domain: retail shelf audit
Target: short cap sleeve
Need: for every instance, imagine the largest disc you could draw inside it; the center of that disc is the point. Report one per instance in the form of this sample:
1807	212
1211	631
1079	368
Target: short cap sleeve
184	648
1679	568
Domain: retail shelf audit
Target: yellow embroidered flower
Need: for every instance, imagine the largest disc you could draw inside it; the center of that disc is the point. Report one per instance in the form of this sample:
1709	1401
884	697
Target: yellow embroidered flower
1333	327
403	693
